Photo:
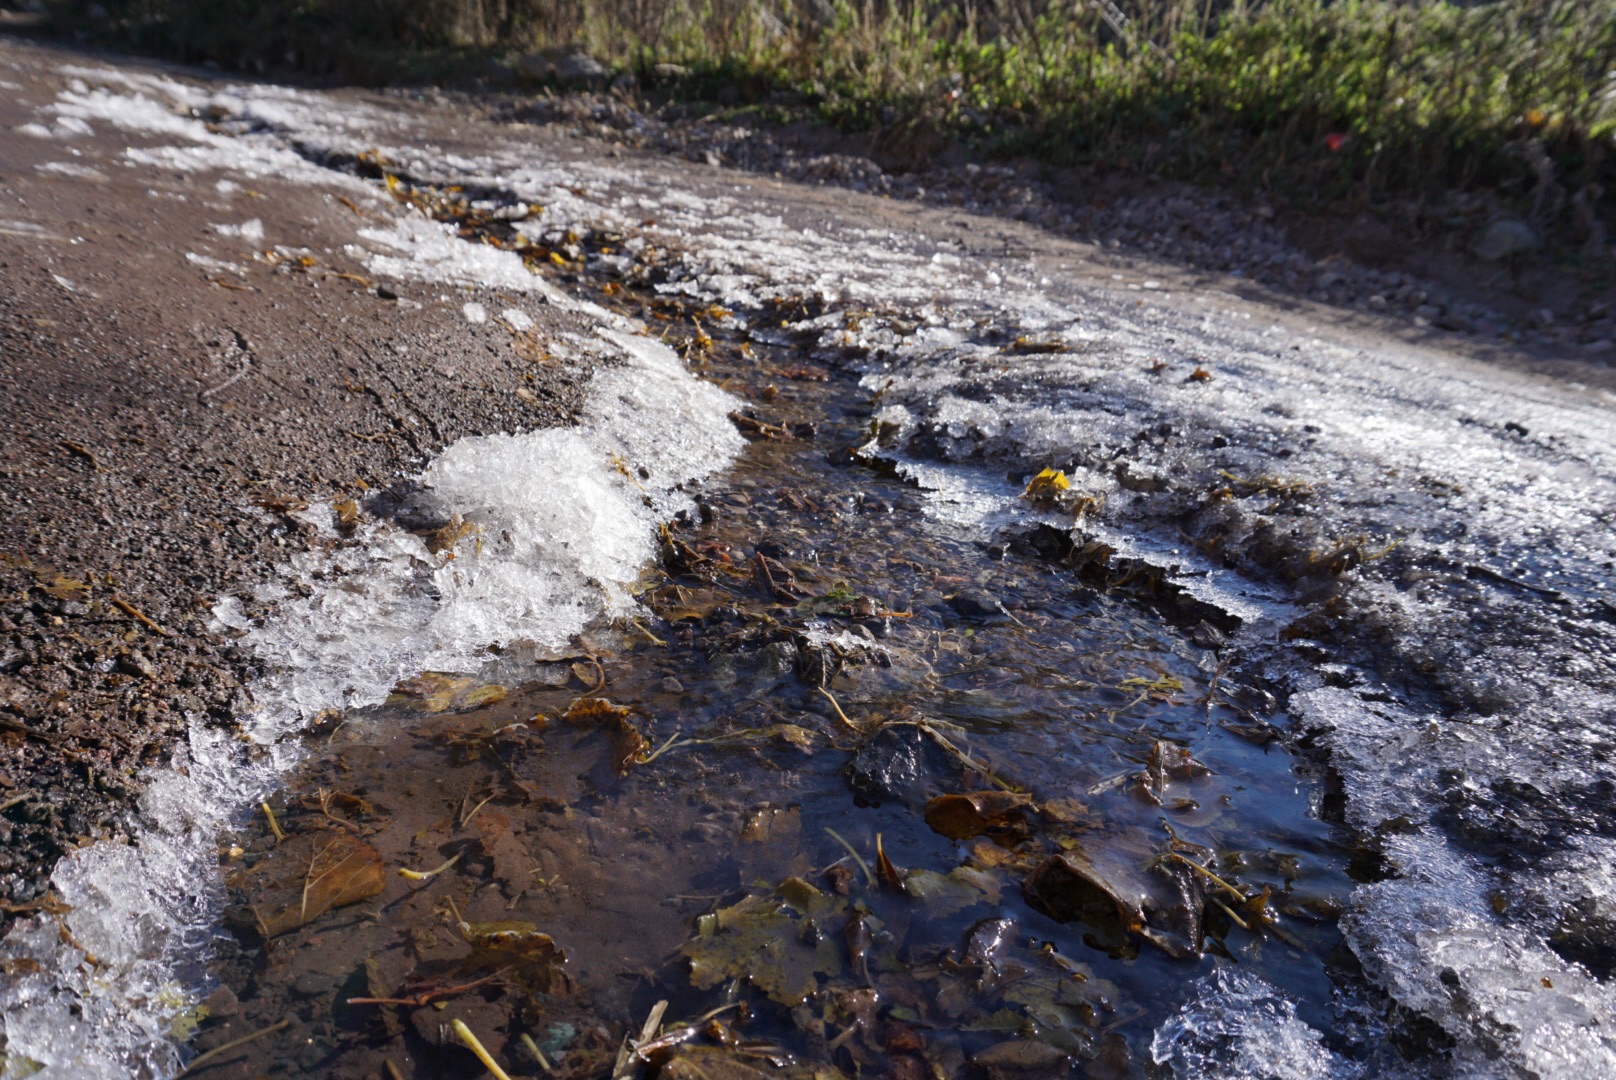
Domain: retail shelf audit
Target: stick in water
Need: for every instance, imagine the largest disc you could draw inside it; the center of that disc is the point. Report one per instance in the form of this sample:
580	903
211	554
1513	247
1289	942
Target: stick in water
217	1051
469	1041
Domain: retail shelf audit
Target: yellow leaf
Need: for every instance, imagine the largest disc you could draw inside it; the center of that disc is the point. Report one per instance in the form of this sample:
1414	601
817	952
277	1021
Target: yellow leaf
1047	485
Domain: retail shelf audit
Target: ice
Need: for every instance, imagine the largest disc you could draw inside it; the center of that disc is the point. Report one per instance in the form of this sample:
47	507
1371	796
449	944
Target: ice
251	230
1235	1026
73	169
474	312
517	320
207	262
426	250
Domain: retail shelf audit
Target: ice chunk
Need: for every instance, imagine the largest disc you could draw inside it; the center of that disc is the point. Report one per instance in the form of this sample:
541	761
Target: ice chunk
1235	1026
251	230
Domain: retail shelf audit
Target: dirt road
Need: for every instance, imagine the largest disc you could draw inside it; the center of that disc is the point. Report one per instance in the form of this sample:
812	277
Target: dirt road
240	320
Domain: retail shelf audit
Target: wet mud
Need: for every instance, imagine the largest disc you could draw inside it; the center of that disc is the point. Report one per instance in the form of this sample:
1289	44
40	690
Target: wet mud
864	790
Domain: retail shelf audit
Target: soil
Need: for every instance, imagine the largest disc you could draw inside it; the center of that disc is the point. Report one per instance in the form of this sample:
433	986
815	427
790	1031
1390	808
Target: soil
157	417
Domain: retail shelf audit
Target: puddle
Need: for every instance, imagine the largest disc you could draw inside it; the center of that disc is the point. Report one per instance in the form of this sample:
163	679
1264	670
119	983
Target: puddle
866	787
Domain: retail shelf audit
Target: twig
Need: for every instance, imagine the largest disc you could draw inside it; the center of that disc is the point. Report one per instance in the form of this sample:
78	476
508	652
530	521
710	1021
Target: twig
673	743
136	614
467	819
427	997
538	1055
627	1053
966	759
424	875
1193	865
654	639
1227	910
227	1047
469	1041
392	1070
864	866
82	451
274	826
835	705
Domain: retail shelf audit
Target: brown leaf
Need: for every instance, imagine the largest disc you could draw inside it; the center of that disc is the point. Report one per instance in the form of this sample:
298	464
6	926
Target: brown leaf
631	745
1167	762
340	870
65	588
513	864
960	816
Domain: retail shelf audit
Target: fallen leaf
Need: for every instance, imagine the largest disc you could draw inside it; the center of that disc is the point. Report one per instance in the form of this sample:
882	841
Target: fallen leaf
337	870
961	816
1047	485
631	747
513	863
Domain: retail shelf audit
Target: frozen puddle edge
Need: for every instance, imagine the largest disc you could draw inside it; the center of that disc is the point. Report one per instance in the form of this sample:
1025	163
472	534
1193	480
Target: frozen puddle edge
104	990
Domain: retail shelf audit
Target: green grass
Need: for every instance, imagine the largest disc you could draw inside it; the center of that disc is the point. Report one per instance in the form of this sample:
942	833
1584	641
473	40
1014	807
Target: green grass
1313	100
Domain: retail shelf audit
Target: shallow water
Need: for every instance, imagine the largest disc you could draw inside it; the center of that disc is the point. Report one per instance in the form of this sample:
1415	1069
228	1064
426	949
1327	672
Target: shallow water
781	726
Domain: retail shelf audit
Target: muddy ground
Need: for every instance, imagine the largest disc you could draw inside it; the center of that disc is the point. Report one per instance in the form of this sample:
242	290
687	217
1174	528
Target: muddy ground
157	417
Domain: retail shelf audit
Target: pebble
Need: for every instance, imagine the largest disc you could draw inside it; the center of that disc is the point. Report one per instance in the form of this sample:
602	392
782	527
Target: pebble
312	985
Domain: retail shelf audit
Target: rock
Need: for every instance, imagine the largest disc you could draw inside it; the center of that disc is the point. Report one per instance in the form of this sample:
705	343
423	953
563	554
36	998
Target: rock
567	68
978	605
1504	238
899	762
134	662
534	68
312	985
670	685
222	1004
580	69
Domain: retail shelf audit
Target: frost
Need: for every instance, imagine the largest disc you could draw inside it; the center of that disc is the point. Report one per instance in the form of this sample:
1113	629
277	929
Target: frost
251	230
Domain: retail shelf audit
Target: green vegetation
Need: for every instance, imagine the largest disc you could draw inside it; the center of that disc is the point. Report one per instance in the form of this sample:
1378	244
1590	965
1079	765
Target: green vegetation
1317	99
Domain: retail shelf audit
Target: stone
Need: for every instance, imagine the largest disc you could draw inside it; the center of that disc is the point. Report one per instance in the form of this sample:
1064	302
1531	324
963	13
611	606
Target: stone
580	69
1505	238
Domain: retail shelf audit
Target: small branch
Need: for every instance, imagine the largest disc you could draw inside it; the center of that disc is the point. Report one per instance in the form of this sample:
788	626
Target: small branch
274	826
217	1051
864	866
136	614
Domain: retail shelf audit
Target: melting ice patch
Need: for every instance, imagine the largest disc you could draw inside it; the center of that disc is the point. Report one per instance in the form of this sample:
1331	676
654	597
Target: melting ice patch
1236	1026
566	520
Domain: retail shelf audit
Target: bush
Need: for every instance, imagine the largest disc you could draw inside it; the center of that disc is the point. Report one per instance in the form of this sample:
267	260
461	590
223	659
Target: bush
1319	99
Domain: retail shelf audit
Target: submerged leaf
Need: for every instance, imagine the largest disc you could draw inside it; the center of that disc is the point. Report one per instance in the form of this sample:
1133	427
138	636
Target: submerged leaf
959	817
337	869
945	894
631	747
773	942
